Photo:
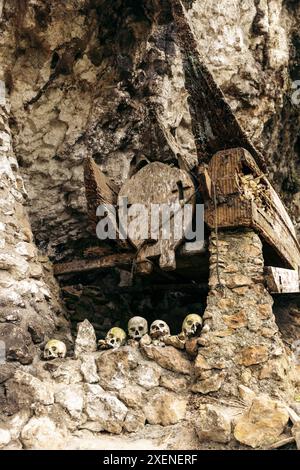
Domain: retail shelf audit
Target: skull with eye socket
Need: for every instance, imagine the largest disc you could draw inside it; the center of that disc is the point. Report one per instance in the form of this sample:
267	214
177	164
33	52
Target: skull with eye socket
158	329
137	328
192	325
115	338
54	349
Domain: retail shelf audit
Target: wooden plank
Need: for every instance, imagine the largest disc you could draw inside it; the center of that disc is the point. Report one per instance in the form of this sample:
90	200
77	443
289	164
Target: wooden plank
280	280
98	190
83	265
204	181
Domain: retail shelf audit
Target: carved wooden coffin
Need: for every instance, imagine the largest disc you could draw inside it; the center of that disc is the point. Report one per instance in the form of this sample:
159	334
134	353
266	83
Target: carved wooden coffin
157	186
243	196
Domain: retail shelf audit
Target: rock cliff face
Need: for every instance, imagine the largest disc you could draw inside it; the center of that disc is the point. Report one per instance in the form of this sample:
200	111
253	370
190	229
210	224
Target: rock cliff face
82	82
107	80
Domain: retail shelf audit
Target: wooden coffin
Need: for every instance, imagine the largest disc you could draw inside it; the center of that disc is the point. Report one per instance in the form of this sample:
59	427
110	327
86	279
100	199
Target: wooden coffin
241	195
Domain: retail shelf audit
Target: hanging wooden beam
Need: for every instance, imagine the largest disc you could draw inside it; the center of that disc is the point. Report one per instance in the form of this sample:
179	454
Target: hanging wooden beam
99	190
84	265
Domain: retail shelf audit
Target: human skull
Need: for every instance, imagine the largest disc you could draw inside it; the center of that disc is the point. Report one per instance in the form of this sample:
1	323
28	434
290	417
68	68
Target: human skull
158	329
115	337
137	327
191	324
55	348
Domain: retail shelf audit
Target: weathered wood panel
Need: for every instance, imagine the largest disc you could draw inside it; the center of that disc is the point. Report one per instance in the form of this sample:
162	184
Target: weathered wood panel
280	280
157	183
242	196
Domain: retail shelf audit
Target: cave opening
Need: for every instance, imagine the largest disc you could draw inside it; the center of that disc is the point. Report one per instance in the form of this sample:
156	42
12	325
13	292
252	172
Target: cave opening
110	297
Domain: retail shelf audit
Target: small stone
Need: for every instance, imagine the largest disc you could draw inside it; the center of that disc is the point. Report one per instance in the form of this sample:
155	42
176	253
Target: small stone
42	433
132	396
25	389
89	369
17	422
135	420
264	310
164	407
13	445
71	398
105	408
238	320
241	290
296	434
169	358
147	376
200	364
18	343
211	384
231	268
35	270
226	303
173	382
274	369
238	280
86	339
67	372
213	424
91	426
191	347
253	355
262	424
115	366
5	437
246	394
26	249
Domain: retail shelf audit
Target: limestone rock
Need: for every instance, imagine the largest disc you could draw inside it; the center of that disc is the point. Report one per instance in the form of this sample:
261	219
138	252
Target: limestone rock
5	437
42	433
105	408
115	366
17	343
262	424
253	355
24	389
67	372
296	434
210	384
169	358
13	445
246	394
17	422
71	398
89	369
147	375
164	407
7	371
213	424
132	396
86	339
238	320
135	420
171	381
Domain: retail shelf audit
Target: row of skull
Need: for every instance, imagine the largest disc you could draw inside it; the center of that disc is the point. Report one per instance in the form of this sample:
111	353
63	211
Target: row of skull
137	328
